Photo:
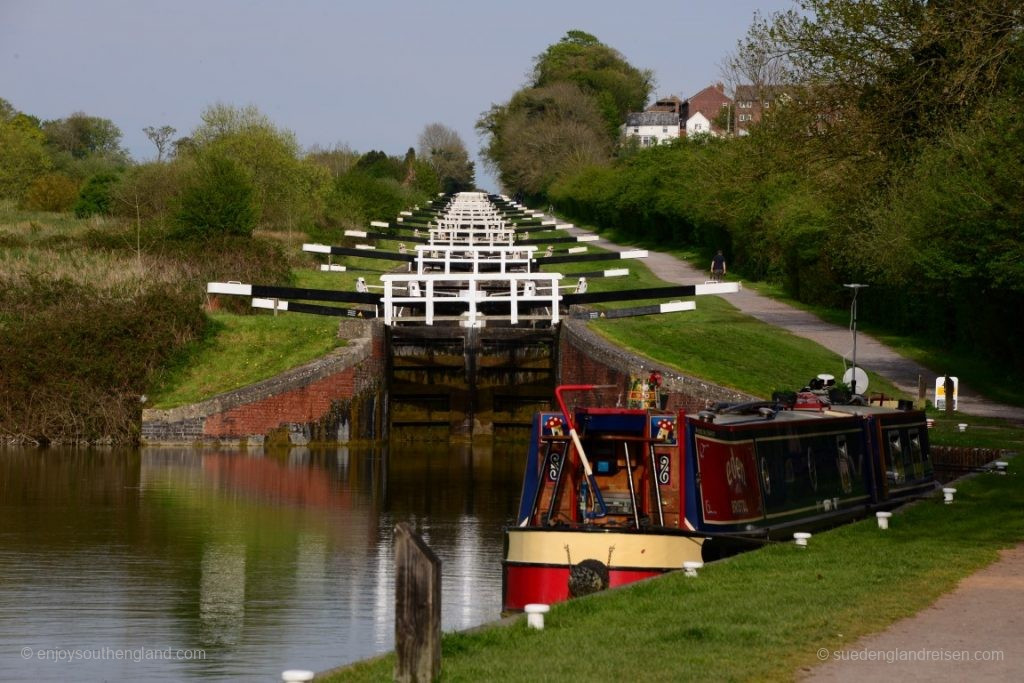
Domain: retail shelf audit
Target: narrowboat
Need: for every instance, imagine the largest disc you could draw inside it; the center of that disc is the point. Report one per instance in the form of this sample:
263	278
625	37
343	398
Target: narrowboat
616	495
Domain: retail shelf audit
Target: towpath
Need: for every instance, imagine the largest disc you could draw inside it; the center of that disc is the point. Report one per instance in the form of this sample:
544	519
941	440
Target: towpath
972	633
871	353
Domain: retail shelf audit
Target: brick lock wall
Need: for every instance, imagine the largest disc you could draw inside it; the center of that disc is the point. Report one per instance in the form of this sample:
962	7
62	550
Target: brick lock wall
332	398
302	404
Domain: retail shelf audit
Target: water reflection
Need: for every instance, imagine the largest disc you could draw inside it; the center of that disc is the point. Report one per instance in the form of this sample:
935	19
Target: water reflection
265	561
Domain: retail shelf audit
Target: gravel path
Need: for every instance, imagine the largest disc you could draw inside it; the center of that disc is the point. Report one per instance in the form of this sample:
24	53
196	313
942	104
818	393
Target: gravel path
871	353
970	634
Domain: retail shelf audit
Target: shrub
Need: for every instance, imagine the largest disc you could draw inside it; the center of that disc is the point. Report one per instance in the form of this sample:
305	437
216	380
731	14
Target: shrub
219	200
51	192
95	197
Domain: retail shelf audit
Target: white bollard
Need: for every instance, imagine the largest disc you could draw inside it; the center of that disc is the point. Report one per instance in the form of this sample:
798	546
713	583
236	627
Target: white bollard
883	519
1001	466
947	495
535	615
296	676
690	568
962	426
801	538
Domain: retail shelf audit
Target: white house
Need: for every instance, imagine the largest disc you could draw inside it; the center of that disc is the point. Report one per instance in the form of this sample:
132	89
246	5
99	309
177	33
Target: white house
698	124
652	127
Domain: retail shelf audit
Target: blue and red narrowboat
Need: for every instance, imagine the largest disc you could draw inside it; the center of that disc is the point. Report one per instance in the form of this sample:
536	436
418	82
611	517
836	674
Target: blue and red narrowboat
615	495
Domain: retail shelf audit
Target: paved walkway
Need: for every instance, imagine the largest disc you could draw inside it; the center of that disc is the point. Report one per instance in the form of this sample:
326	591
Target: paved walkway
973	633
871	353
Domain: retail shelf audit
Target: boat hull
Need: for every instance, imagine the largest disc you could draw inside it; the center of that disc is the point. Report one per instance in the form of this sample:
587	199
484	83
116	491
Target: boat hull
538	560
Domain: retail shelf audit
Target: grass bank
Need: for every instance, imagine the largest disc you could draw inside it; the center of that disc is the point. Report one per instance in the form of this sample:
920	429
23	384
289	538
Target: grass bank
92	311
716	341
981	373
238	350
758	616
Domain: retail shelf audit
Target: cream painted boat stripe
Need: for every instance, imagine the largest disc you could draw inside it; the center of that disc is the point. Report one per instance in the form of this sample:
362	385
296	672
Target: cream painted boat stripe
641	551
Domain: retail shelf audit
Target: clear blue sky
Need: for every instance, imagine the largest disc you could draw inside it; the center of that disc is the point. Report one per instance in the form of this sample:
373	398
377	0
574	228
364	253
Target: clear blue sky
367	73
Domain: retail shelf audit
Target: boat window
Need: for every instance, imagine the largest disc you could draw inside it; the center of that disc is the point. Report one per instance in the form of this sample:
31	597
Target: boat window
897	468
916	456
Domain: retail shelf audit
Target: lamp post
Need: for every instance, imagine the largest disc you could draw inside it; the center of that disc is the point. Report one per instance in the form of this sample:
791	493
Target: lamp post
853	316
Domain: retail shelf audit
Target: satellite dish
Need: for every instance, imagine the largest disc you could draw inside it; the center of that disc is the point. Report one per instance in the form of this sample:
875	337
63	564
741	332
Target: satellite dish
858	374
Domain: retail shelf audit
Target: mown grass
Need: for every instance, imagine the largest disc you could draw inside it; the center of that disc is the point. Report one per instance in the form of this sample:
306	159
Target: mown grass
982	432
239	350
718	343
715	342
758	616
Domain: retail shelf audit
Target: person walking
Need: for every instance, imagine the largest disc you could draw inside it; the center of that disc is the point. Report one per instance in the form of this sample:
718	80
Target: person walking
718	267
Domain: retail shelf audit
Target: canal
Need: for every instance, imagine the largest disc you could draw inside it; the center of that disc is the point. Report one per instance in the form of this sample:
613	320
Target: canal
171	564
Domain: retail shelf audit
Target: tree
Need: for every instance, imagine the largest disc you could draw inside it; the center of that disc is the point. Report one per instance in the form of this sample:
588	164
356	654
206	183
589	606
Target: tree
756	62
444	150
379	165
599	71
889	73
149	191
218	200
161	137
543	133
23	158
288	191
80	135
337	160
568	117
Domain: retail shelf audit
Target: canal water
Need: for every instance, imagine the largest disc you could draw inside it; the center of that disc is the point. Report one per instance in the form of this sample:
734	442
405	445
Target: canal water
172	564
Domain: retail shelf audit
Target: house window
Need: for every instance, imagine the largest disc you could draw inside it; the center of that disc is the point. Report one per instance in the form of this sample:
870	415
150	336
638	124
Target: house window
766	105
636	130
664	130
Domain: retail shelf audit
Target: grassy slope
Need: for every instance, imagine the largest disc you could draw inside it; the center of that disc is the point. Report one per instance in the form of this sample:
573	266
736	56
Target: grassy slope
243	349
758	616
715	342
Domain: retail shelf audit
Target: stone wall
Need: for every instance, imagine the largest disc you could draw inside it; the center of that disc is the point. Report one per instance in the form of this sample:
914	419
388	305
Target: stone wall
338	398
585	357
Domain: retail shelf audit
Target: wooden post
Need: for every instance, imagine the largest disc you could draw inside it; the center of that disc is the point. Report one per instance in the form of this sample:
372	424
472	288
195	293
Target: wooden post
417	608
920	392
948	387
